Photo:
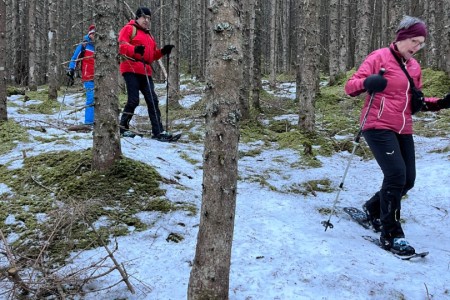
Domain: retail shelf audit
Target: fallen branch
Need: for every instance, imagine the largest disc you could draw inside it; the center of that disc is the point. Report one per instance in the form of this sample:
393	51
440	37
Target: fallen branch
119	268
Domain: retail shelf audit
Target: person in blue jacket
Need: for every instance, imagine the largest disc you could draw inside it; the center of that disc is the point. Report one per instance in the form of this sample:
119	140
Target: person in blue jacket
84	56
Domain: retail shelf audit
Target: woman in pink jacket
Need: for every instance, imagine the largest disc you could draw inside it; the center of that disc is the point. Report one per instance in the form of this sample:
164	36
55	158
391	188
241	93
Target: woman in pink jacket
387	125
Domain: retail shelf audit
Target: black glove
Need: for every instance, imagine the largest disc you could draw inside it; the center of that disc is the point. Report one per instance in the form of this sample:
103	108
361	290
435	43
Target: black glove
375	83
167	49
71	73
444	103
139	49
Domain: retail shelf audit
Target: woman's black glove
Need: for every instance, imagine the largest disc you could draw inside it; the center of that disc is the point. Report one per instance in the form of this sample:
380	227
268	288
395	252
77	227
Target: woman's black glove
139	49
375	83
444	103
167	49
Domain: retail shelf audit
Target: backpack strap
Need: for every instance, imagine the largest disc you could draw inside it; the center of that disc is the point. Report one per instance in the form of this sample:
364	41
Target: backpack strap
402	66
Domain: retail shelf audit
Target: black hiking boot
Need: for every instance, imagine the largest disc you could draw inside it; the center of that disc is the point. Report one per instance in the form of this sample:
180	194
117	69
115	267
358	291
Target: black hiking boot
127	133
398	245
374	222
163	137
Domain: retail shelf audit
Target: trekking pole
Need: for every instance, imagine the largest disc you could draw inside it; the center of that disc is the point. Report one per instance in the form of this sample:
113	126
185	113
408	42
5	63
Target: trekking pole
167	93
355	145
151	97
69	82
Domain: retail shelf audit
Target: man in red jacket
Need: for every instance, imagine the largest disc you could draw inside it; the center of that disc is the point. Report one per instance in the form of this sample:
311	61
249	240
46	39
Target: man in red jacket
386	122
138	50
84	55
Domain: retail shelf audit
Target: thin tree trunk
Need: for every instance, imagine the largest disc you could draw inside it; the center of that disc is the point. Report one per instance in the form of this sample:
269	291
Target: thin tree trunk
32	46
3	108
308	71
334	39
244	102
432	47
363	31
106	149
174	68
210	273
344	37
52	52
273	34
257	54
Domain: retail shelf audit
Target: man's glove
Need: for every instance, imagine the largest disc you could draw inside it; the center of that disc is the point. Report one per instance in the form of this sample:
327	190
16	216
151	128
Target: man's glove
375	83
71	73
167	49
139	49
445	102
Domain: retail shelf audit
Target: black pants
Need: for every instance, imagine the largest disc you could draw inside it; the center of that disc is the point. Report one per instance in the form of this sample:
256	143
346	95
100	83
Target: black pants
395	155
144	84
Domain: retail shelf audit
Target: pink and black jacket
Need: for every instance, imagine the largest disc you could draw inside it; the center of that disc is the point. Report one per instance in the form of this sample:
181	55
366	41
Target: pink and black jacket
391	109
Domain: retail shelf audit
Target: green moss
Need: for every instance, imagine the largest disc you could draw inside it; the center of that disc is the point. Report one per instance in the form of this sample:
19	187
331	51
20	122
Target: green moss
10	134
311	187
46	107
190	160
40	94
14	90
63	187
435	83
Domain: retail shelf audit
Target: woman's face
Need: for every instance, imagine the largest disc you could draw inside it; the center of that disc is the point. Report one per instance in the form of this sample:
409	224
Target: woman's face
410	46
144	21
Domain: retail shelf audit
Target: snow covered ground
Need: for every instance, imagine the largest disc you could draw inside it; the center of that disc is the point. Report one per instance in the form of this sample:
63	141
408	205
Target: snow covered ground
280	248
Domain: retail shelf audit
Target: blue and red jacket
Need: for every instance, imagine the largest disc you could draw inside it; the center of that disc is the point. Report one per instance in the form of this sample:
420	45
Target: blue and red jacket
84	55
132	62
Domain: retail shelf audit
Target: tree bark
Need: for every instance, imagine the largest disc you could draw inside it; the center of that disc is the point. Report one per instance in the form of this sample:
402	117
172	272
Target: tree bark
52	52
363	31
272	43
344	37
174	67
210	273
257	54
3	107
32	46
244	99
334	39
308	66
106	149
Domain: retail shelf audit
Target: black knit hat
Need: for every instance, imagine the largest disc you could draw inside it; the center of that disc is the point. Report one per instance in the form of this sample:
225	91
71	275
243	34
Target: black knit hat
143	11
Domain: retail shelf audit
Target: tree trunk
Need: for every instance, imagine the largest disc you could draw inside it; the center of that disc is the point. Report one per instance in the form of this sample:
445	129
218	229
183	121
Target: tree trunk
257	54
52	52
32	46
344	37
174	67
308	66
3	110
106	149
210	273
432	47
363	31
244	103
334	39
272	42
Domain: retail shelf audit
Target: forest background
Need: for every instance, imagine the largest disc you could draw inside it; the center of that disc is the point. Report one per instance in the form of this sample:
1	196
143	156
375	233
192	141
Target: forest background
229	46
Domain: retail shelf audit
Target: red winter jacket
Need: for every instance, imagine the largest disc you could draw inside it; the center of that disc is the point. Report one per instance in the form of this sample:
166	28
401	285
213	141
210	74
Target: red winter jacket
132	62
391	108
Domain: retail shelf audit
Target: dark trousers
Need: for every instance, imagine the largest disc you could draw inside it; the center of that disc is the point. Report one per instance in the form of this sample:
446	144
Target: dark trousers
144	84
395	155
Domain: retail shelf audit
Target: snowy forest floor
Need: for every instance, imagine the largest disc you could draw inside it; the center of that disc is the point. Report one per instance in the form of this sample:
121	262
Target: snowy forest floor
280	248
